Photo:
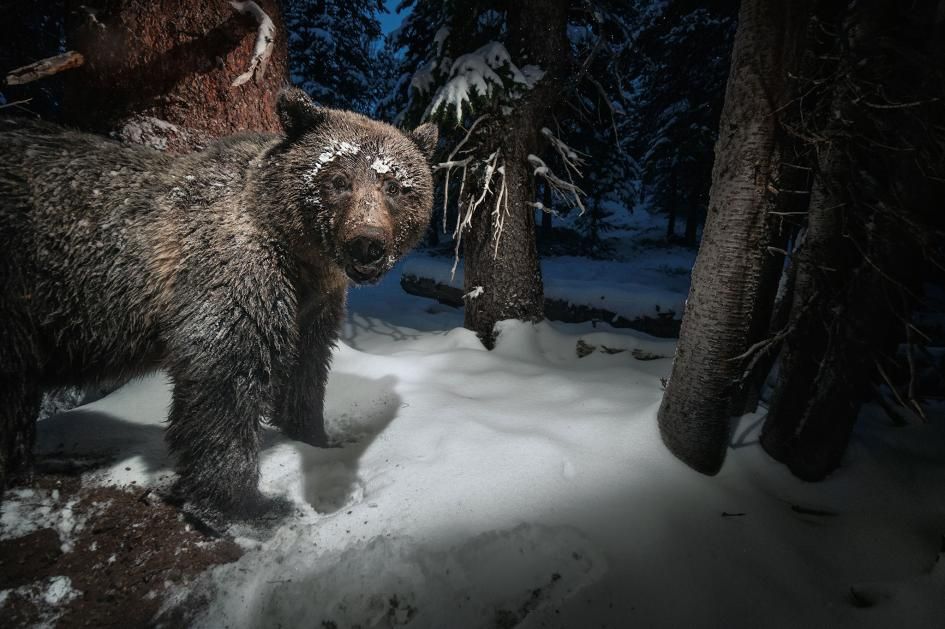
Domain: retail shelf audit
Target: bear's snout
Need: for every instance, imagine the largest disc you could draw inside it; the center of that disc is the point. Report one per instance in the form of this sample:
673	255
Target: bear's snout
366	251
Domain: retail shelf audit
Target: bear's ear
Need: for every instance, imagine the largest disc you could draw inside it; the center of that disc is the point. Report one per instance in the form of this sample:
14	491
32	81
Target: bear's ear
297	112
425	136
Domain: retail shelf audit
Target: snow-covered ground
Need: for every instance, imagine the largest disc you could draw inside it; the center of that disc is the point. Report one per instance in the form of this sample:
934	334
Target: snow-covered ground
528	487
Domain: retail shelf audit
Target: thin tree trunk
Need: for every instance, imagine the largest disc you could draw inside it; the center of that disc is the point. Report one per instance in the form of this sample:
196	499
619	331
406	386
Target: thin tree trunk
722	303
507	270
673	202
692	226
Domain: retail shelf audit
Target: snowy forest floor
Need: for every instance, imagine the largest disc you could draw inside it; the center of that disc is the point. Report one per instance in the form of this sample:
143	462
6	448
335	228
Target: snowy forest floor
526	486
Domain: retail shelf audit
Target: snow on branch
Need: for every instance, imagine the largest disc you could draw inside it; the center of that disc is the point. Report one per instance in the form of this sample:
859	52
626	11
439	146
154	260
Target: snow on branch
559	186
572	160
483	73
44	67
474	293
265	39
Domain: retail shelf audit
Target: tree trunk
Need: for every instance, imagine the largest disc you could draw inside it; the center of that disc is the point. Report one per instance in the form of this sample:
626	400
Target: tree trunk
722	305
861	258
509	274
692	224
772	314
507	270
673	202
161	72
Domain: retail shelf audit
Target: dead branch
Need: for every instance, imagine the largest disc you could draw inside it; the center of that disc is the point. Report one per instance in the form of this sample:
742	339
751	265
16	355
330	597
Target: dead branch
559	186
265	38
451	162
892	387
44	67
16	103
465	217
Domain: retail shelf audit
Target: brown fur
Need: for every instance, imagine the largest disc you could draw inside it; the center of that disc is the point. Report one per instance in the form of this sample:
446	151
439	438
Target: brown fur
227	268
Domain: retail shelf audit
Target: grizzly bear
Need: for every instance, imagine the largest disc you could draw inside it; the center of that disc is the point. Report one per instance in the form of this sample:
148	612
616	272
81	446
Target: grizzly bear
228	268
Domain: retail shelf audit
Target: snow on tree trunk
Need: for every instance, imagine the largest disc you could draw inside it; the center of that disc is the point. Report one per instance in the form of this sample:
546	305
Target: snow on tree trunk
722	304
161	72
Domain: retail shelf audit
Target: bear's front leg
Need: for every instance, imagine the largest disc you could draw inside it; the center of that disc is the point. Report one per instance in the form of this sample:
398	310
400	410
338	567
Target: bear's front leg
301	412
214	432
225	365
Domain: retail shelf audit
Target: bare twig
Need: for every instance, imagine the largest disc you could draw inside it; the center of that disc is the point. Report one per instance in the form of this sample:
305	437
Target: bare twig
16	103
44	67
559	186
451	163
265	38
889	383
464	219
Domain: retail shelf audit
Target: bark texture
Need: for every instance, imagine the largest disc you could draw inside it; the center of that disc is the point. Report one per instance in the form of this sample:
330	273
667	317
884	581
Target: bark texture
160	72
722	306
509	274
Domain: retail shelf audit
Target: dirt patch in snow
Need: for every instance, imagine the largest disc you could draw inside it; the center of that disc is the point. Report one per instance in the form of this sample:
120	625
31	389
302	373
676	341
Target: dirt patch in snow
125	552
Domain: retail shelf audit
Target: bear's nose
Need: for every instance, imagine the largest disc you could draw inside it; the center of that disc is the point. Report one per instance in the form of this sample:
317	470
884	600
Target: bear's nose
366	250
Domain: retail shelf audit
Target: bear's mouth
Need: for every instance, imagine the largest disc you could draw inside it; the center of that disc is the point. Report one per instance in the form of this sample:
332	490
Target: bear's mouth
364	274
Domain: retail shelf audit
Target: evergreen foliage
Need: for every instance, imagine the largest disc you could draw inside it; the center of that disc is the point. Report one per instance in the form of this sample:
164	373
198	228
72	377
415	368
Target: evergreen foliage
333	50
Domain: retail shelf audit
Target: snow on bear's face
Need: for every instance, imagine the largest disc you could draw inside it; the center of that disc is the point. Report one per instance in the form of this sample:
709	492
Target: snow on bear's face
365	187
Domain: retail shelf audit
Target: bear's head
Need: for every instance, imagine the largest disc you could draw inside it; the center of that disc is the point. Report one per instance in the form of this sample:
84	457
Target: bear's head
362	189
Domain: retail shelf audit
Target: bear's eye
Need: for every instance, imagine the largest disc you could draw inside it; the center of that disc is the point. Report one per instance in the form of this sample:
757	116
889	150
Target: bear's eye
391	188
339	182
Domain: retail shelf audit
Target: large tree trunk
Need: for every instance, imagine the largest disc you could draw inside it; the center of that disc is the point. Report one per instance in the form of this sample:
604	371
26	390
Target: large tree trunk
722	306
509	274
161	72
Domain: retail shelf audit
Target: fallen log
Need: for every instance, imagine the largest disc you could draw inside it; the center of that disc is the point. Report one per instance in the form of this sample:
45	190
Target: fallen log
664	325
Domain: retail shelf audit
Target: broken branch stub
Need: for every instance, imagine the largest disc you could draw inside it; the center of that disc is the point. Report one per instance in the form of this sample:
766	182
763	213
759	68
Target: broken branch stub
265	40
44	67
